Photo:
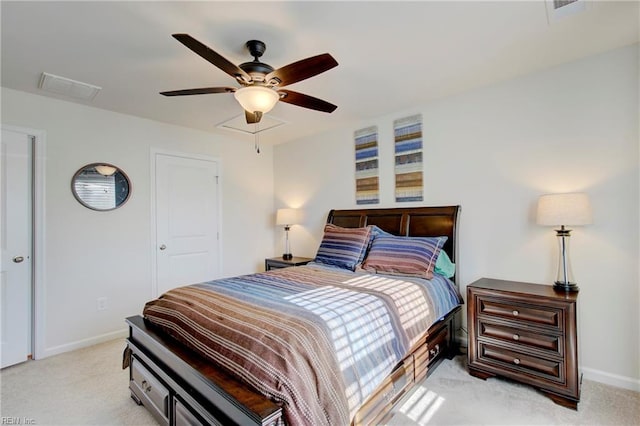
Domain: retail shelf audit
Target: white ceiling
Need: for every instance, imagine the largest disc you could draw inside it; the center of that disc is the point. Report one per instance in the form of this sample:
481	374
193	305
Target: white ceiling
392	55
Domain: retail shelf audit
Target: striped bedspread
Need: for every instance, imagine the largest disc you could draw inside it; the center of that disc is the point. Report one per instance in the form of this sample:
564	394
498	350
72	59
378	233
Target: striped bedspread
316	339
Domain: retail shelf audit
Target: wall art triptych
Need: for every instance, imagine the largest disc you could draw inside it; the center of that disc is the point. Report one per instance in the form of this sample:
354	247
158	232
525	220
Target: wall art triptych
408	162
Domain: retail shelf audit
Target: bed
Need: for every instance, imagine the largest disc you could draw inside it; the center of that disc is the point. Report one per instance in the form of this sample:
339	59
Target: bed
185	374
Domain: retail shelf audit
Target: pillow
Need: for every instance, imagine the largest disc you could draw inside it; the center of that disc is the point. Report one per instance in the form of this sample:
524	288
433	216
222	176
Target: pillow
343	247
376	231
412	256
444	265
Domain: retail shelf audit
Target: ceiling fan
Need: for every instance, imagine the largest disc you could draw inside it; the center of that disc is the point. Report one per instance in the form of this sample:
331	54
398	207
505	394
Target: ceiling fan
261	84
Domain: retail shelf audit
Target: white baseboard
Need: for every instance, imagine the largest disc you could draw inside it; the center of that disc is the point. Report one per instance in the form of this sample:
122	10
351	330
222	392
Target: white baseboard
79	344
461	339
611	379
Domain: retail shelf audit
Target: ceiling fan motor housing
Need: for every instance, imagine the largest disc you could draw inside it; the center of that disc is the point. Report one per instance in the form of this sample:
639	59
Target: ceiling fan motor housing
256	69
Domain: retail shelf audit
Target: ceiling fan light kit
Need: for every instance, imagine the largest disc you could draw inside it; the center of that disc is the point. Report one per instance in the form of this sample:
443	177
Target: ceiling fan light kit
257	98
261	82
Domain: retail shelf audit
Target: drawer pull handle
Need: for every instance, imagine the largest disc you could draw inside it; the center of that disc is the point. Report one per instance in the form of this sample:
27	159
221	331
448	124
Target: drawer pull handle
516	337
145	386
516	361
516	313
434	351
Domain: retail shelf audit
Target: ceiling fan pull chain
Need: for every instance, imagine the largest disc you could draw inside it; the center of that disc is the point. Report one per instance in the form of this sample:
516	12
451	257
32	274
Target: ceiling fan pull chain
257	137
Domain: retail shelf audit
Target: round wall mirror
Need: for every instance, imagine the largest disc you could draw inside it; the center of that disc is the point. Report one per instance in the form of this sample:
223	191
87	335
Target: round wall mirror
101	186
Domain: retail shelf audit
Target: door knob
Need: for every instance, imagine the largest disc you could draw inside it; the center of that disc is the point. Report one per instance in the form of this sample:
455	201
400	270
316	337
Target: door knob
18	259
162	247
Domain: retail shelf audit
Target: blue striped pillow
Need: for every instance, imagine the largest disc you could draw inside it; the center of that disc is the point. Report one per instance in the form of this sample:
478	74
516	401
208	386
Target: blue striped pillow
343	247
413	256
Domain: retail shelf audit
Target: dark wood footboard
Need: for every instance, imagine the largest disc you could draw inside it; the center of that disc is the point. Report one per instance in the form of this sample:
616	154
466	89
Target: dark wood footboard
173	382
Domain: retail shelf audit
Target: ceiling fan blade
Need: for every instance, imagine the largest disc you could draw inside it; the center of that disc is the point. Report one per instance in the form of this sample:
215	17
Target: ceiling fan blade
253	117
302	69
306	101
211	56
200	91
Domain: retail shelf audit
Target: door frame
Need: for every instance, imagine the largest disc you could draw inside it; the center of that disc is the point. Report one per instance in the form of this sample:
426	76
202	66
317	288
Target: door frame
153	222
38	248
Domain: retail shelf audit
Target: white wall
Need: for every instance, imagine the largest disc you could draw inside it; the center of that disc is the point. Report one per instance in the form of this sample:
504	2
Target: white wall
494	151
91	254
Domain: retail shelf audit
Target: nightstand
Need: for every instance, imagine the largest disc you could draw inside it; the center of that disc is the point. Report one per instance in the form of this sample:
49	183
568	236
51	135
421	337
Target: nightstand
279	262
525	332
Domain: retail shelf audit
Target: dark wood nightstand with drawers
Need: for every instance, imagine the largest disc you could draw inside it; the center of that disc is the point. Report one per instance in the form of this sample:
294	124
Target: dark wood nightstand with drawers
525	332
279	262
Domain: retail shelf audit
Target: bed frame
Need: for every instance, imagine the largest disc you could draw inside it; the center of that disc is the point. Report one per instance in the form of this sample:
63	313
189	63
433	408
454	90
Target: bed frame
179	387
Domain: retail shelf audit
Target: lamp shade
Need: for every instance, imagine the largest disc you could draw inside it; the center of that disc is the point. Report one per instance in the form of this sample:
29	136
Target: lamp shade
257	98
564	209
286	217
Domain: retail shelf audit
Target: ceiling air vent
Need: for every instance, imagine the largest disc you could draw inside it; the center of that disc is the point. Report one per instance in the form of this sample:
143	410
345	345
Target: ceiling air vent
65	86
558	9
557	4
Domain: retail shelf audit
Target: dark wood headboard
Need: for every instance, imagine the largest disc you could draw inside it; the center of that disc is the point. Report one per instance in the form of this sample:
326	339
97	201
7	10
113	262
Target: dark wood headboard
411	222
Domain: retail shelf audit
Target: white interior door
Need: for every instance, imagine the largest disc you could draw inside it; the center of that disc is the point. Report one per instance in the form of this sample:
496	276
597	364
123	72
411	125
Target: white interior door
187	200
16	242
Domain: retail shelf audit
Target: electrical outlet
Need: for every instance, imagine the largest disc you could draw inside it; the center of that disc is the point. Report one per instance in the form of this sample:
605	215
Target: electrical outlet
102	303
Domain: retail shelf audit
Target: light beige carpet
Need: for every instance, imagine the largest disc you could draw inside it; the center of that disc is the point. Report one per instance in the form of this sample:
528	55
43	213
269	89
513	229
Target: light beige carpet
450	396
88	387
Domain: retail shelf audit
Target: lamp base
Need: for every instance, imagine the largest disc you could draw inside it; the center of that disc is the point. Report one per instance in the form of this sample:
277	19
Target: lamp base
566	287
287	256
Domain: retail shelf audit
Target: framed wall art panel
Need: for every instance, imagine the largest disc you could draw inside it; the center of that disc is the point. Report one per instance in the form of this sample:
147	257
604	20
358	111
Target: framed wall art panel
367	172
408	158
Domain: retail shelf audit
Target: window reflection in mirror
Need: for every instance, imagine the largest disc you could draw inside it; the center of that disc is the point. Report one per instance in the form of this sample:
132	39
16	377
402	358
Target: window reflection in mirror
101	186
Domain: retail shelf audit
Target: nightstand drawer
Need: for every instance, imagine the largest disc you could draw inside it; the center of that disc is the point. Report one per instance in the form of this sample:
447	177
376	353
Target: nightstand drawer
520	362
548	343
520	312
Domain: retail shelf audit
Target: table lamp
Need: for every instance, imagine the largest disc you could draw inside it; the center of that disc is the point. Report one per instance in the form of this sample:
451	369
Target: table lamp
563	210
287	217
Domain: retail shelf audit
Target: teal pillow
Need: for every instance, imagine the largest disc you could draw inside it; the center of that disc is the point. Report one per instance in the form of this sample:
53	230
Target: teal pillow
444	265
